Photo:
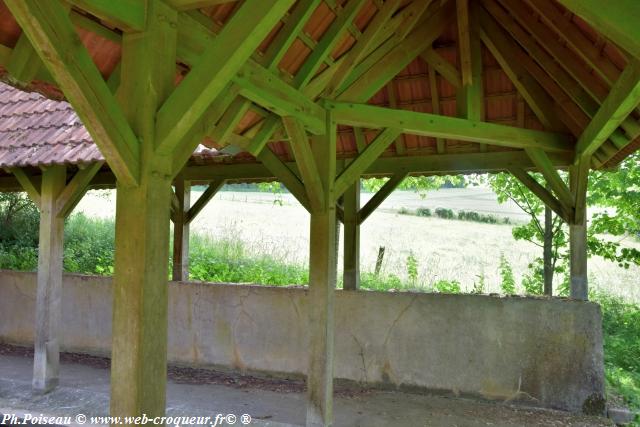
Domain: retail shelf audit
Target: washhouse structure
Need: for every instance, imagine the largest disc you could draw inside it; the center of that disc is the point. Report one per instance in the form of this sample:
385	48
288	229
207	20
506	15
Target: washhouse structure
315	94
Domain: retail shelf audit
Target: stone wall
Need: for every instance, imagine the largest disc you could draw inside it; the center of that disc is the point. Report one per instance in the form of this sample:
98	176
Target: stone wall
547	352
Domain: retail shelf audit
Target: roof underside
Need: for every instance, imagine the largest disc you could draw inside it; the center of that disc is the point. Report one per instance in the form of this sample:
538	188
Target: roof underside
541	67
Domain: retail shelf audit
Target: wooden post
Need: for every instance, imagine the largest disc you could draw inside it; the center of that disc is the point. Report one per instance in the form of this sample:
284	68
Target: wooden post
578	235
140	281
49	293
322	282
181	231
351	276
140	304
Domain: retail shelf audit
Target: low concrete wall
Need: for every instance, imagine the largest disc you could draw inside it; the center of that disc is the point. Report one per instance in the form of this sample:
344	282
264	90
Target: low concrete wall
546	352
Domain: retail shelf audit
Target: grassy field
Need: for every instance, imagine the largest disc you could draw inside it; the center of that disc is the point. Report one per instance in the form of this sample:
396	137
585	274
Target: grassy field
443	249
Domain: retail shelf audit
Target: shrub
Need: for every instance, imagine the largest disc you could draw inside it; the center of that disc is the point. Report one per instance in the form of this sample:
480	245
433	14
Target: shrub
423	212
508	283
444	213
447	286
412	268
404	211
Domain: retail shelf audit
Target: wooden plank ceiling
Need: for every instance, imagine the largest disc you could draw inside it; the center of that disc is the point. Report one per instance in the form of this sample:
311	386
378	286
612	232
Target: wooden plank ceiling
529	64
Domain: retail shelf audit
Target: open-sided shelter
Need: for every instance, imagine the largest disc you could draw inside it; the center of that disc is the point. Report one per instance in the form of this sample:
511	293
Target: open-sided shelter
316	94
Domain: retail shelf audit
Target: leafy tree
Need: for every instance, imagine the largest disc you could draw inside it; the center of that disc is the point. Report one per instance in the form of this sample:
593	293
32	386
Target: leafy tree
549	234
617	191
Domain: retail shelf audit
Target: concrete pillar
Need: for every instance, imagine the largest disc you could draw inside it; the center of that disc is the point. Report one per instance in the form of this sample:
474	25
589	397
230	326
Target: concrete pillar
351	277
322	273
46	361
140	299
181	231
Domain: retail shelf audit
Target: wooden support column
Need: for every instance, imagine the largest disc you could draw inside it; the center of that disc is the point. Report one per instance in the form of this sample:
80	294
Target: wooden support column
140	282
578	234
351	275
322	282
46	362
181	231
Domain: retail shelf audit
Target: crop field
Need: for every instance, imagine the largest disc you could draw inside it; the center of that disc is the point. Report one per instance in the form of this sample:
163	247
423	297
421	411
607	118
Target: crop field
452	250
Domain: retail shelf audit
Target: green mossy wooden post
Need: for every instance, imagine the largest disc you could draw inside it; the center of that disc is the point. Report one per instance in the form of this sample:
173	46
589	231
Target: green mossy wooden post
181	231
351	275
578	233
140	294
322	282
46	362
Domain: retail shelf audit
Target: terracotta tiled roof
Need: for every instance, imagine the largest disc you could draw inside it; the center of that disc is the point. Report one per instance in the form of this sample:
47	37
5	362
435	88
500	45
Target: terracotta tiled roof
36	131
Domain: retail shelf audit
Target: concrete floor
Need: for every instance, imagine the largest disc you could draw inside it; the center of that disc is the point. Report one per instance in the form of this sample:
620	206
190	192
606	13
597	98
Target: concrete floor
85	390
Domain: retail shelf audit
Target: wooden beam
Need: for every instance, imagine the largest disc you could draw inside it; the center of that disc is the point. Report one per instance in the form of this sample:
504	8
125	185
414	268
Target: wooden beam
357	167
269	91
505	51
562	24
288	33
381	195
75	189
180	256
236	42
470	99
205	197
545	166
260	140
327	43
229	120
369	116
284	174
51	33
351	253
28	184
621	101
306	162
547	198
183	5
184	148
364	44
322	282
48	313
464	41
141	271
617	21
128	15
23	63
387	67
442	66
441	144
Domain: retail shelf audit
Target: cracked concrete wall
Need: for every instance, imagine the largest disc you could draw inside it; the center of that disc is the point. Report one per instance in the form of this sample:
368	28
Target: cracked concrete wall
539	351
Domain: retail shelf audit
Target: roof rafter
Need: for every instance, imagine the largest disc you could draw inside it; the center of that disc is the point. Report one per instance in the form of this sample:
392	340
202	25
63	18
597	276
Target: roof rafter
128	15
617	21
387	67
365	43
236	43
425	124
504	50
327	43
623	98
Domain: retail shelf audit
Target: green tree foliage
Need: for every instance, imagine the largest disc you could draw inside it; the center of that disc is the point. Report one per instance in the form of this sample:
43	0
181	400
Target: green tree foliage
619	191
508	282
508	188
419	184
